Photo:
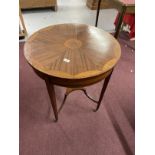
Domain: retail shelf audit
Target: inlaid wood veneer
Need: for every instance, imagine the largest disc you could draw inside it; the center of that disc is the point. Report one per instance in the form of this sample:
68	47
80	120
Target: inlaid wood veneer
72	51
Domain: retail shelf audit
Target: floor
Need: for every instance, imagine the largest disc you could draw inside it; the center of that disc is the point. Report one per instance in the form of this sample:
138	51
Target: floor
69	11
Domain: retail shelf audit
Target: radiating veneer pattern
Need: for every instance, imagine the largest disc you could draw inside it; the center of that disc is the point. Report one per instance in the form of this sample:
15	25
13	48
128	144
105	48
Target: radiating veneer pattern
72	51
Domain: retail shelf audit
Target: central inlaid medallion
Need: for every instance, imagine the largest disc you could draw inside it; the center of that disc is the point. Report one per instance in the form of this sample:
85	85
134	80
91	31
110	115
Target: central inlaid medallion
73	43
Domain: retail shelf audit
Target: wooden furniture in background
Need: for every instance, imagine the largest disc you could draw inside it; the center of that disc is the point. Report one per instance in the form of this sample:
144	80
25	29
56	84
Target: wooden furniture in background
30	4
22	28
92	4
72	56
123	6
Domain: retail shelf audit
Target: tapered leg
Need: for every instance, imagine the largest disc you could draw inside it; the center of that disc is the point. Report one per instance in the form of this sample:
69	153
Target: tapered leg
97	14
51	92
119	23
62	103
105	84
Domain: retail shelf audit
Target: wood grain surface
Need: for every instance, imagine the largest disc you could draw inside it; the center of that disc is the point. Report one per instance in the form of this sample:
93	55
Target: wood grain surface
72	51
29	4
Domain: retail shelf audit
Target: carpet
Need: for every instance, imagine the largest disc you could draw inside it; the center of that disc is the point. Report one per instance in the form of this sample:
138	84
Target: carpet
79	130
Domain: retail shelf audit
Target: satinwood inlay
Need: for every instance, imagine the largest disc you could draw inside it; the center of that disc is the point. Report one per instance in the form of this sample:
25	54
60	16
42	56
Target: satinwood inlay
72	51
73	43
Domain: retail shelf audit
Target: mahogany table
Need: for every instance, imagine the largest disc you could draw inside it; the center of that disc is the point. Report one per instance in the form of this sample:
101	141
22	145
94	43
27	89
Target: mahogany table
72	56
123	6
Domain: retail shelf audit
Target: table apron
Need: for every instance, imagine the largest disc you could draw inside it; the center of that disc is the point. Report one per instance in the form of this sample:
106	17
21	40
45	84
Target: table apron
73	83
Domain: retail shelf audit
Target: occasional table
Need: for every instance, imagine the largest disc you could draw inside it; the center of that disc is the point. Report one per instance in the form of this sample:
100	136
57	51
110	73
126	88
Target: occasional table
72	56
123	6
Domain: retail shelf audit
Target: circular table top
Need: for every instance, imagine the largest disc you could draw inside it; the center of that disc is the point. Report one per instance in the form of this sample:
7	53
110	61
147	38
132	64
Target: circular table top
72	51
